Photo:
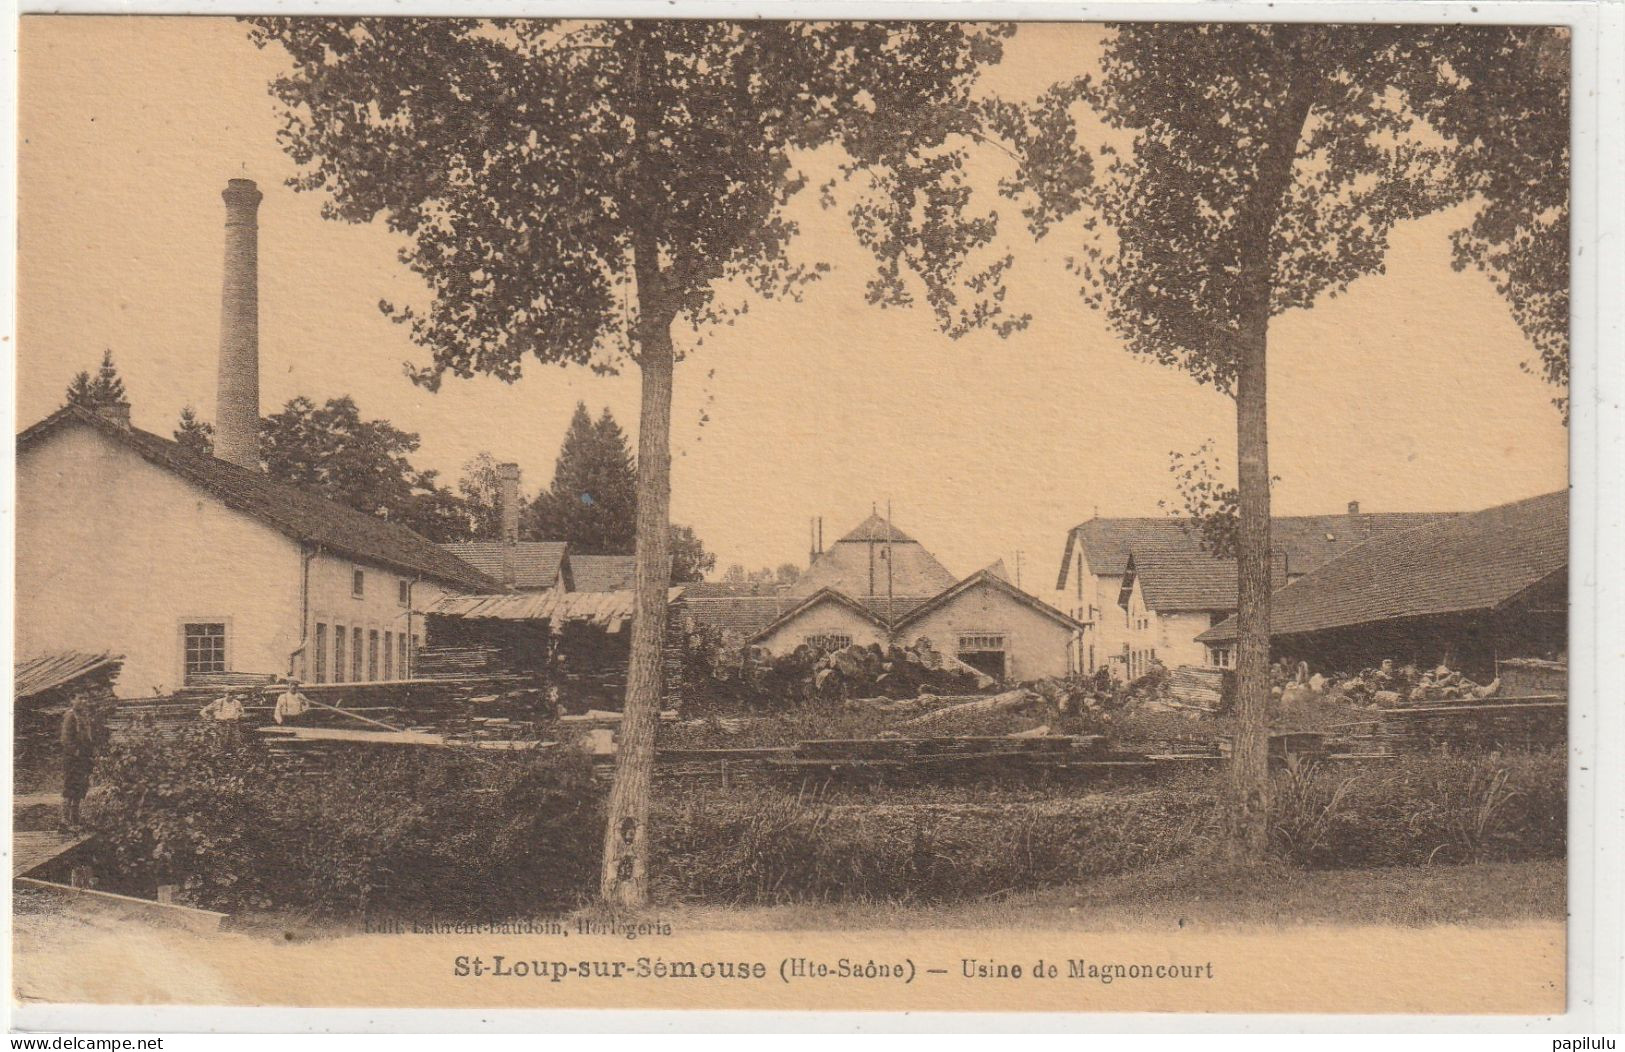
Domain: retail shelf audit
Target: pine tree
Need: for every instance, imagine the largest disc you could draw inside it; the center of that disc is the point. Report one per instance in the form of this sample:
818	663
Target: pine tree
80	391
105	389
592	502
109	386
194	435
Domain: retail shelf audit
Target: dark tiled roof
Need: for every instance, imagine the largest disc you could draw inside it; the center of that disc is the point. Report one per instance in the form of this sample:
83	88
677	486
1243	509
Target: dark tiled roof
289	509
1175	579
738	617
536	564
602	573
1308	541
1465	564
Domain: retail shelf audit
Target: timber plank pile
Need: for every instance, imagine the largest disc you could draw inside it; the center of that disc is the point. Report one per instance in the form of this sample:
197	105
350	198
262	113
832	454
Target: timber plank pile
1196	687
917	758
1539	721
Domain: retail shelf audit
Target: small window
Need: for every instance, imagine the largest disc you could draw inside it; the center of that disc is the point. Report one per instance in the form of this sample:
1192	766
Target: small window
358	583
321	652
404	594
355	654
205	648
339	637
372	655
389	655
829	641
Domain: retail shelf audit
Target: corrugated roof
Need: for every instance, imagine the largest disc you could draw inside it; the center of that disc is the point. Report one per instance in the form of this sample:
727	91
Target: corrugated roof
1308	541
606	609
1176	579
45	672
536	564
601	573
286	508
1463	564
847	567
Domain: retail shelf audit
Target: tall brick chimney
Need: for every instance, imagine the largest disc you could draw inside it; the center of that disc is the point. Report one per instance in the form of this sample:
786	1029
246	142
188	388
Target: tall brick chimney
508	501
237	404
508	506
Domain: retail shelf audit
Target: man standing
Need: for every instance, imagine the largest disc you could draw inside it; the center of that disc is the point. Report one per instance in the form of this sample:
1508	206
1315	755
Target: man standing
78	756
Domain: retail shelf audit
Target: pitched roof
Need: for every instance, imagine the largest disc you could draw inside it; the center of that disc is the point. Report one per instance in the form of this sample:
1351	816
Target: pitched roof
1176	579
536	564
818	598
286	508
602	573
1464	564
876	529
857	565
1308	541
45	672
983	578
741	615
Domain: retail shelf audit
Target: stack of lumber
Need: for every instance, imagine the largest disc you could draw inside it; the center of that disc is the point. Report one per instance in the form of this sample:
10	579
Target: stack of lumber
1196	686
443	662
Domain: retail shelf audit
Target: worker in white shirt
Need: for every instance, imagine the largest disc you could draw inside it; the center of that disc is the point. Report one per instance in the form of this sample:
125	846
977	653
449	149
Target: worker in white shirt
290	704
226	708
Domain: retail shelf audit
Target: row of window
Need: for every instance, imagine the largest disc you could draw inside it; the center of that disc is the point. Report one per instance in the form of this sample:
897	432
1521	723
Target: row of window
967	644
362	654
1140	662
358	587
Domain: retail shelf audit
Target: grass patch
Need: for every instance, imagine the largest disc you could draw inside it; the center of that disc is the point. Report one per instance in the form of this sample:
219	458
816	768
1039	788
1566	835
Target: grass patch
1191	896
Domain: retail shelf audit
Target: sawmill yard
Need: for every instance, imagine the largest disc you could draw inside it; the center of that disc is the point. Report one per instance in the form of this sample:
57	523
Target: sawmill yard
997	811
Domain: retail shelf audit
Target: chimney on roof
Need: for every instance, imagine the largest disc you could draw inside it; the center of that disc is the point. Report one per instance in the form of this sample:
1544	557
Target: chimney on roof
508	501
237	404
508	507
115	413
1354	507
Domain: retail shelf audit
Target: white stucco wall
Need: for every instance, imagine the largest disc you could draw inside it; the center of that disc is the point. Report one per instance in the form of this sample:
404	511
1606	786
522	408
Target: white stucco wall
1035	645
826	618
1172	635
116	554
333	604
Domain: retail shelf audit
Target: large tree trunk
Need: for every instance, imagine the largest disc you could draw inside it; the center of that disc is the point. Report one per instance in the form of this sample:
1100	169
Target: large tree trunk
625	878
1249	765
1249	762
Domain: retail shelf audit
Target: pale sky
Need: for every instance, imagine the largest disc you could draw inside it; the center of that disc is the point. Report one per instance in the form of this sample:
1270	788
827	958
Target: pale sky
1404	394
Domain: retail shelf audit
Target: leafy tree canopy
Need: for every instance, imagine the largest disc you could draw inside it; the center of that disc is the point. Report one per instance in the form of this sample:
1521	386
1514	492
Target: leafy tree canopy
331	451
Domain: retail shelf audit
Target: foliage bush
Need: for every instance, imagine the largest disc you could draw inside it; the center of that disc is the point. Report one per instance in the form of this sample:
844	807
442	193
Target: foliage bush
770	847
387	830
766	846
1423	809
425	832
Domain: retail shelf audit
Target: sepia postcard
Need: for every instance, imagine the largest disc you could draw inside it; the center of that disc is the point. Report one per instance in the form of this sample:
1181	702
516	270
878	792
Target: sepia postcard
639	513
